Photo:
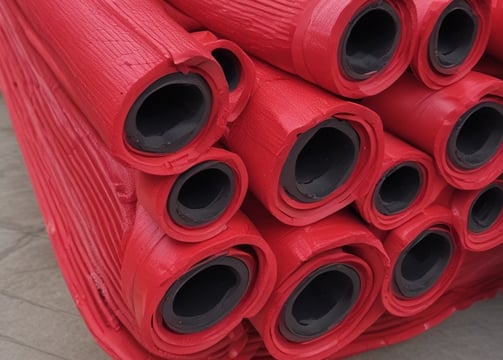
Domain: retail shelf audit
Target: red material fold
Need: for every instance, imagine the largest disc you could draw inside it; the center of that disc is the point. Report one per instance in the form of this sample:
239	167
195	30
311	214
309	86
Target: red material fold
426	119
407	183
147	46
281	109
496	39
435	219
217	184
339	239
461	31
307	37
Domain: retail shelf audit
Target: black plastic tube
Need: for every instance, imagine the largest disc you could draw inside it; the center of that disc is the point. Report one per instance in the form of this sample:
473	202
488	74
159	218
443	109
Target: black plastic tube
205	295
321	160
230	65
169	114
477	136
486	209
369	41
319	303
201	195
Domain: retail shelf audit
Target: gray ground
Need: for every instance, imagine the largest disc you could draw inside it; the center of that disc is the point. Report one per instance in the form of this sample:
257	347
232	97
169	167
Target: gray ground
38	320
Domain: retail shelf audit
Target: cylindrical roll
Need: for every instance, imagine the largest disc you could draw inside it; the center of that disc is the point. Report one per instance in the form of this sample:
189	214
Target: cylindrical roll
453	35
354	48
461	126
477	216
238	69
307	152
496	39
188	297
329	281
188	23
407	183
197	204
156	97
425	253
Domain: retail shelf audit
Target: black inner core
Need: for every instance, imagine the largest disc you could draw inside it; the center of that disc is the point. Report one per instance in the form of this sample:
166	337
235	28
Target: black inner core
486	209
453	36
398	188
230	65
320	302
321	160
422	263
169	114
205	295
477	136
201	194
370	41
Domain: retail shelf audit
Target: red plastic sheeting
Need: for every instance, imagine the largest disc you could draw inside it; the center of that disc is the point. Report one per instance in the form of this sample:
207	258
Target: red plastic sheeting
407	183
152	59
338	241
494	47
284	131
453	35
461	125
333	44
197	204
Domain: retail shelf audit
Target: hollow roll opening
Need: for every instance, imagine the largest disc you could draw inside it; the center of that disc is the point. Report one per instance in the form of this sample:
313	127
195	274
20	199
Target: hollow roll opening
201	195
485	209
477	136
398	188
369	40
169	114
205	295
320	161
320	302
453	36
422	263
230	65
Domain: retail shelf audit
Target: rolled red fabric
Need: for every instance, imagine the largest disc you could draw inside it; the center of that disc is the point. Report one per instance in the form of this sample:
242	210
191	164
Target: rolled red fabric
185	21
354	48
461	125
477	215
329	281
496	39
453	35
157	98
197	204
407	183
188	297
425	254
307	152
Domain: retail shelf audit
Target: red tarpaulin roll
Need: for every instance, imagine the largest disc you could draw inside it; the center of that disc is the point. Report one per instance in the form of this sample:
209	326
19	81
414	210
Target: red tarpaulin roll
425	253
156	92
185	21
477	216
197	204
496	39
188	297
329	281
453	35
354	48
407	183
307	152
461	126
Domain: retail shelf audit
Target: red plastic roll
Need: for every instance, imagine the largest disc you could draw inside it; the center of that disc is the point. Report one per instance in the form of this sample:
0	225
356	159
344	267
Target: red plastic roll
461	126
425	255
329	281
197	204
354	48
166	97
407	183
453	35
188	297
307	152
496	39
477	216
183	20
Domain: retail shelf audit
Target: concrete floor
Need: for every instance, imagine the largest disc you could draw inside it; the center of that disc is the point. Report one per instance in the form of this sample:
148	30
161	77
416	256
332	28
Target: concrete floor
38	320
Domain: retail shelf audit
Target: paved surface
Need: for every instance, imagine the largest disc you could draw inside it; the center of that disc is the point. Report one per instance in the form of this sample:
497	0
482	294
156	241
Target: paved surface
38	320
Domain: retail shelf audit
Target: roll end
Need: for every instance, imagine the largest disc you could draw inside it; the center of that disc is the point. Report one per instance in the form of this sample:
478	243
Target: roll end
485	209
